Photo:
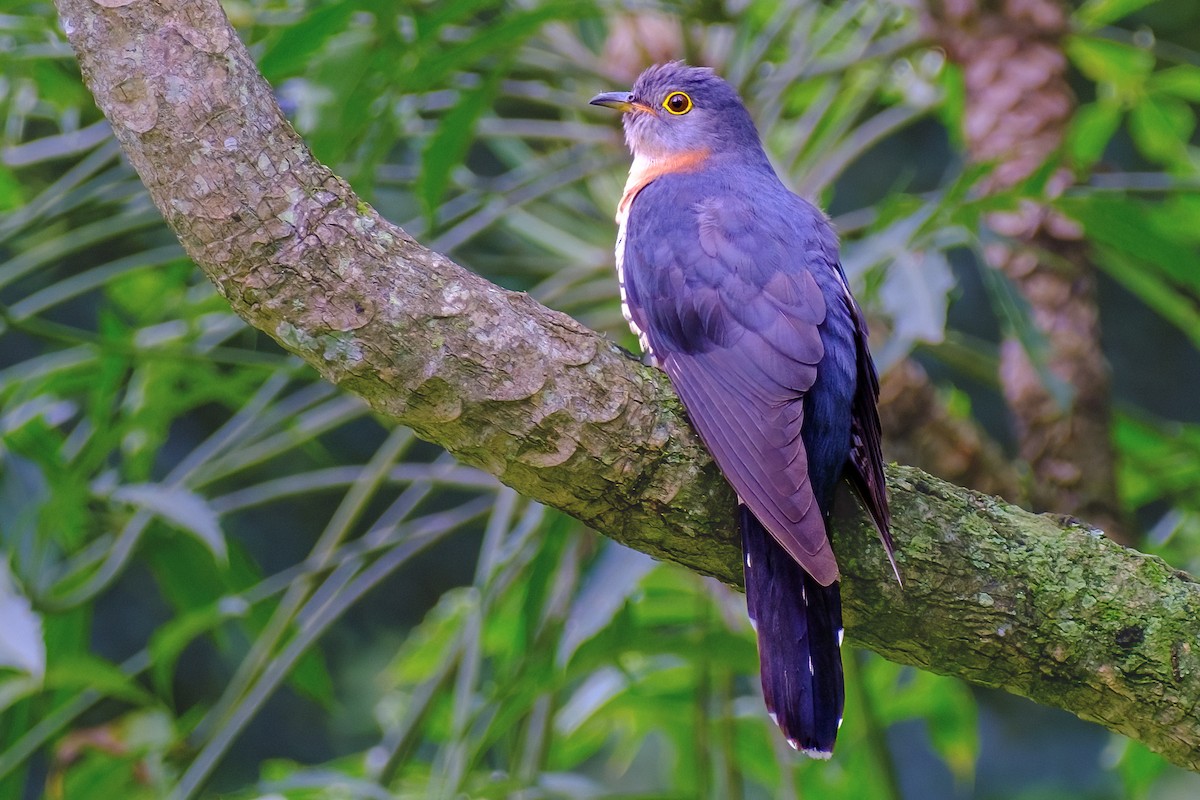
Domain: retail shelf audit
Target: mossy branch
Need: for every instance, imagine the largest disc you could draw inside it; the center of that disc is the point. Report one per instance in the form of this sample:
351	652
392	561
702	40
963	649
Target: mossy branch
992	594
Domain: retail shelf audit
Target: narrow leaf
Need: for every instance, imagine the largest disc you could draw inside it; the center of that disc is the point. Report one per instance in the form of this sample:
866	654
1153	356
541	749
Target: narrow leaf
1105	61
182	508
170	639
1091	130
916	293
613	579
291	52
1095	13
1161	127
1017	318
1182	81
22	645
88	672
448	147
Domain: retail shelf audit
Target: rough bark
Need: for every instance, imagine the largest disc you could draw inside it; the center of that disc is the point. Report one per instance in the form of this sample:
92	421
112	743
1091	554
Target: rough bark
993	594
1018	107
1038	605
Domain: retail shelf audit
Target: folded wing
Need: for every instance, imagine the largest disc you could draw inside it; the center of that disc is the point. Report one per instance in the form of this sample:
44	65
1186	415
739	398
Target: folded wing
733	316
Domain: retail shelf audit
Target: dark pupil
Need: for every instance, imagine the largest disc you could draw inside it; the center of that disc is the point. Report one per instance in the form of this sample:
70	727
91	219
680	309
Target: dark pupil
677	102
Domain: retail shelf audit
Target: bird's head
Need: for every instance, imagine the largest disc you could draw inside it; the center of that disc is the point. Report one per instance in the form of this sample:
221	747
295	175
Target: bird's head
674	109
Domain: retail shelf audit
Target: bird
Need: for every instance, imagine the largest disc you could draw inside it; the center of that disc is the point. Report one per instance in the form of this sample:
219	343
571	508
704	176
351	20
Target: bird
733	286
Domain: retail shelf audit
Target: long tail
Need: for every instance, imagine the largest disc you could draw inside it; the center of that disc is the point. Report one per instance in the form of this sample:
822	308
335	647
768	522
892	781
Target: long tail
799	627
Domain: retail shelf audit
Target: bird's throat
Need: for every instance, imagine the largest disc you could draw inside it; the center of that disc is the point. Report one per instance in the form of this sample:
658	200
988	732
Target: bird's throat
645	169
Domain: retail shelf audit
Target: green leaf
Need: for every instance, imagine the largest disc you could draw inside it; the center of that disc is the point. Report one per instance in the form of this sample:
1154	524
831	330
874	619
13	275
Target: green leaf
14	688
1104	61
169	641
343	77
952	110
1154	289
1139	768
436	16
424	650
67	634
1095	13
500	38
11	195
1161	128
89	672
1140	230
1180	214
191	581
98	773
1092	128
311	678
1143	248
447	148
290	53
1182	81
612	580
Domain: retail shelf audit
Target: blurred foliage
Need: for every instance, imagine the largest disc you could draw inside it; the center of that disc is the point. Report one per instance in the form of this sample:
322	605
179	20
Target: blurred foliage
223	577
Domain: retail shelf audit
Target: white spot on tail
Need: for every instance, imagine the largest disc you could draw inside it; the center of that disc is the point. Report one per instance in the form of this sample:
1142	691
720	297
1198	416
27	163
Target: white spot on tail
841	636
774	717
823	755
748	564
840	723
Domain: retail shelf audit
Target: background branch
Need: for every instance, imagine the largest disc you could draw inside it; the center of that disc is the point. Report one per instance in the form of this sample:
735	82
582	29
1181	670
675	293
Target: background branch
993	594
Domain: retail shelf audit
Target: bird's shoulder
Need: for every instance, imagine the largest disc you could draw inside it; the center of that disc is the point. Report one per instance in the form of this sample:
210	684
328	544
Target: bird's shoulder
720	203
763	250
711	267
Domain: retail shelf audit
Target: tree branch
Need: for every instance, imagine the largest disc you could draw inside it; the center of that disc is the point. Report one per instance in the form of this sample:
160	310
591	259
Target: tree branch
993	594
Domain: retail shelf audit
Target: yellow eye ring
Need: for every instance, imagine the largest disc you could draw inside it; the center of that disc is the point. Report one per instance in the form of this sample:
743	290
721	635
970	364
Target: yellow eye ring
678	103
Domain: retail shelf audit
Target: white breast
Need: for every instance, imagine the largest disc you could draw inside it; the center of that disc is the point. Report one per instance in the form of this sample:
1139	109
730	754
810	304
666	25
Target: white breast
622	221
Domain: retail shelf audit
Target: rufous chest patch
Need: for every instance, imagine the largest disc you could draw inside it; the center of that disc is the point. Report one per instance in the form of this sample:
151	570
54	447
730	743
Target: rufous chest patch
644	170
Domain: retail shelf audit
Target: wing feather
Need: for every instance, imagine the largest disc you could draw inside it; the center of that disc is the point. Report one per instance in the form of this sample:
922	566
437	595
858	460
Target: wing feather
866	441
734	318
742	449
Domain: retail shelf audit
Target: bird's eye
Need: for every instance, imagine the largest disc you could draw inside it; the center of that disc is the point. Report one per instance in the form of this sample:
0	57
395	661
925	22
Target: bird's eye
678	103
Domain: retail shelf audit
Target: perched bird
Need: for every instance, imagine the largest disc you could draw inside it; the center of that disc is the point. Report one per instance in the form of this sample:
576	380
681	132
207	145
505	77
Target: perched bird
733	286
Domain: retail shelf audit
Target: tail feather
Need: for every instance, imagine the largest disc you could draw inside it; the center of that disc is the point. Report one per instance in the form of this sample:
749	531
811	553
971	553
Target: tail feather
799	627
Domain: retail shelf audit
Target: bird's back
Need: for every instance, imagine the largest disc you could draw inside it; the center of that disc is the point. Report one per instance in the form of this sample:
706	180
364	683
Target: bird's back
727	266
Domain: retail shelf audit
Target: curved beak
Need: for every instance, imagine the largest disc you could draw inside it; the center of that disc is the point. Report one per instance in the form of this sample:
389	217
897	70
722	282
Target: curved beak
621	101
